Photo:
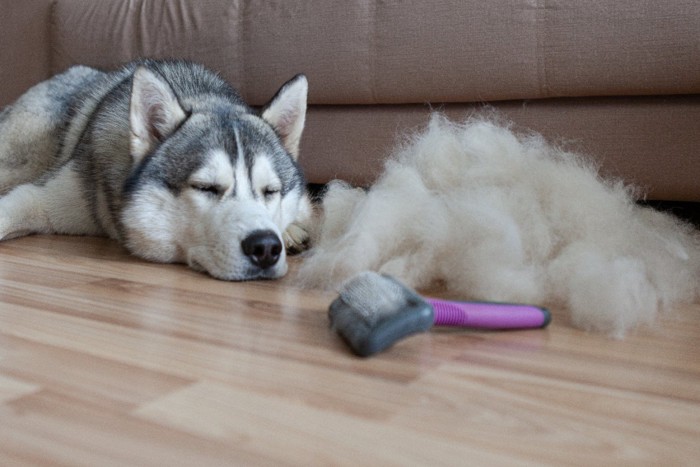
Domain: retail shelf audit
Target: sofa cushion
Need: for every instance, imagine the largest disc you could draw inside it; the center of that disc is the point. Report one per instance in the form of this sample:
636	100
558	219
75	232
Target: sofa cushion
359	52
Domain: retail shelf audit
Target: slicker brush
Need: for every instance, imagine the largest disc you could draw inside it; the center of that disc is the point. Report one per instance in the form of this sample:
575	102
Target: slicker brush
373	311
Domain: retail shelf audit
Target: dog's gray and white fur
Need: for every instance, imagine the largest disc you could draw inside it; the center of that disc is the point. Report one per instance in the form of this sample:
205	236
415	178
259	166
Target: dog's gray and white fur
163	156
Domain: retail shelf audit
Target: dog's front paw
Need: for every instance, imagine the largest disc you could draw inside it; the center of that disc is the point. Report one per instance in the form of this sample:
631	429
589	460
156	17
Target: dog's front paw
6	230
296	238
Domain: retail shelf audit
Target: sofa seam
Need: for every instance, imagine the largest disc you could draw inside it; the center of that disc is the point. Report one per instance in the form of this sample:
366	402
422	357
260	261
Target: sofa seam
540	38
51	33
373	9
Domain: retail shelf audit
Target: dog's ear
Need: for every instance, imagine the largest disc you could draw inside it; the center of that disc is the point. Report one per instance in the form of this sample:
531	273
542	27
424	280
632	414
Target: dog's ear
286	112
154	112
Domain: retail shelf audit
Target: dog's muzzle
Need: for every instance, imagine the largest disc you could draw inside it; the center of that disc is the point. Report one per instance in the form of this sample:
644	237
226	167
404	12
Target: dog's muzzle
260	255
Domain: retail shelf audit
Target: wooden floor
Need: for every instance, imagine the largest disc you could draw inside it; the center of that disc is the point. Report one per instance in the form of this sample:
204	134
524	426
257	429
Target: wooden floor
109	360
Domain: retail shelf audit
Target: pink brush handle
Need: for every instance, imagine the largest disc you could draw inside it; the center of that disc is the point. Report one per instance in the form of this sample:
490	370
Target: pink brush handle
488	315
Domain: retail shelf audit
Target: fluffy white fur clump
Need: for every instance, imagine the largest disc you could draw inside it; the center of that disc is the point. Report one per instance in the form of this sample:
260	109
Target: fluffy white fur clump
493	215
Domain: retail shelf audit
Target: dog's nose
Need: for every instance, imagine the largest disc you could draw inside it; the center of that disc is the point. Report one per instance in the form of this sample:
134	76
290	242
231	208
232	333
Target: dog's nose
263	247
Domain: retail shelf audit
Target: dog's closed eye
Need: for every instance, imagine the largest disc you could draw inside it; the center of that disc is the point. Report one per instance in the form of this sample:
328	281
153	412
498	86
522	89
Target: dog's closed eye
269	192
209	189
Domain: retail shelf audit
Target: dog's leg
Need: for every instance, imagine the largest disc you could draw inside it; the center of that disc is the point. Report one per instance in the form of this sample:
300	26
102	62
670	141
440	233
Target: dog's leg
296	238
57	205
22	212
27	143
31	128
297	235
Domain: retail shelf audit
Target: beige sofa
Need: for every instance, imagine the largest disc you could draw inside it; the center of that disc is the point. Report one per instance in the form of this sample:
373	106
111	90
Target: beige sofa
619	79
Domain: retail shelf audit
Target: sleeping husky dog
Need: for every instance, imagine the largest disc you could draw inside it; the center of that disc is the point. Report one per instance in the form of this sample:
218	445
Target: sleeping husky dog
163	156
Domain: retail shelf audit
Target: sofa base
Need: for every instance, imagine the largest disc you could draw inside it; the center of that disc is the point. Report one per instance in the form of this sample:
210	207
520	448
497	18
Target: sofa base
352	142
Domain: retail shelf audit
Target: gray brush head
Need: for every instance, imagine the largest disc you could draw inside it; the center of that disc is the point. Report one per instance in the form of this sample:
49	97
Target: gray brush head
373	311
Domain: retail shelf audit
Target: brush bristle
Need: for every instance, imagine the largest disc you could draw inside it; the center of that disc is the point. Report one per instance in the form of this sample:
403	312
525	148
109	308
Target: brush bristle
373	311
374	296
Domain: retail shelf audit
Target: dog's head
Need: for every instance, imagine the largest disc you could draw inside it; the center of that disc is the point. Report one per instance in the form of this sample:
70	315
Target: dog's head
213	183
